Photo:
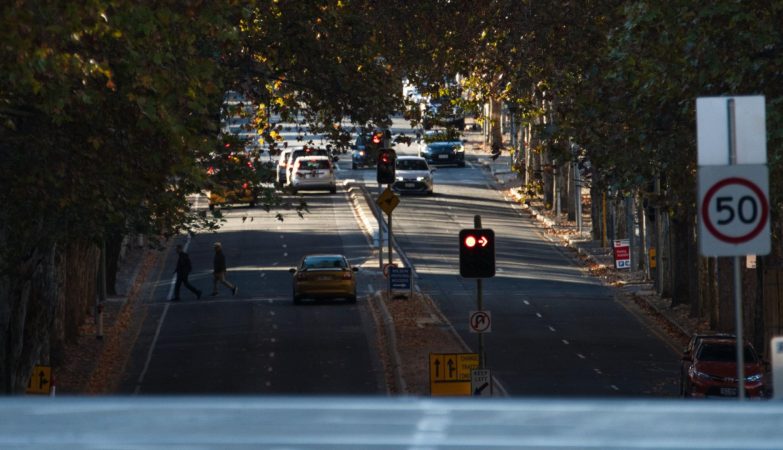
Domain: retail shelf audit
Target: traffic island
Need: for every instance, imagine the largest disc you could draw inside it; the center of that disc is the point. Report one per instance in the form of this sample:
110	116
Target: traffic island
409	331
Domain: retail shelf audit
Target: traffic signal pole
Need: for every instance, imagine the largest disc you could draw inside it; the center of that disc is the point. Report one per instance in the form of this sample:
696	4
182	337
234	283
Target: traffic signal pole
479	303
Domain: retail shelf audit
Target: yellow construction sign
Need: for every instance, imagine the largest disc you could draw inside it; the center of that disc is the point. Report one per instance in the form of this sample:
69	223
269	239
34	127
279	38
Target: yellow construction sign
450	373
40	381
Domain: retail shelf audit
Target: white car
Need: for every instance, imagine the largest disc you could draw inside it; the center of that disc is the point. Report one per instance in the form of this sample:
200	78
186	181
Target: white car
413	175
313	173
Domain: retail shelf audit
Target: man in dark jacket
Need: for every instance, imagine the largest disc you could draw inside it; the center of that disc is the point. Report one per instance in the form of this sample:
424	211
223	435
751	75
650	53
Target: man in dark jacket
183	270
219	271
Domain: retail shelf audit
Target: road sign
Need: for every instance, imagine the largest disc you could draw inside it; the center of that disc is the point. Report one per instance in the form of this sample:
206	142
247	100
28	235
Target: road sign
40	380
622	254
776	348
480	322
481	382
712	130
388	201
450	373
400	279
734	210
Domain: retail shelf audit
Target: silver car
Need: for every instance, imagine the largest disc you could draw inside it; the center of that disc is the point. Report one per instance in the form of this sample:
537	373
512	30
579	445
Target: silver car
413	175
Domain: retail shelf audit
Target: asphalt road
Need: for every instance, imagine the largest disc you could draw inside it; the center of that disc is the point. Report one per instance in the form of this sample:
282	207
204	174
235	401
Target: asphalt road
555	330
258	342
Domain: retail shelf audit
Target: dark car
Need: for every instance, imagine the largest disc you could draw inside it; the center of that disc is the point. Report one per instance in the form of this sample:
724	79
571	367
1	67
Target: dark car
439	153
710	368
366	149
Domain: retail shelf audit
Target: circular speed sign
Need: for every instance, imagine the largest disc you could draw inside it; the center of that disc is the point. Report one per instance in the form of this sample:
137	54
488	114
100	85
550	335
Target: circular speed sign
735	210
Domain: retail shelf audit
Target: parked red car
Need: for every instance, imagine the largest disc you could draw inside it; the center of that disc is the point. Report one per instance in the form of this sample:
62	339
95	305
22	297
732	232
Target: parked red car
710	368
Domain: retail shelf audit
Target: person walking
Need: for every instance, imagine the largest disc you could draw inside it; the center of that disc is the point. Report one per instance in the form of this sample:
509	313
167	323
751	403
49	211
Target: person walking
219	271
183	270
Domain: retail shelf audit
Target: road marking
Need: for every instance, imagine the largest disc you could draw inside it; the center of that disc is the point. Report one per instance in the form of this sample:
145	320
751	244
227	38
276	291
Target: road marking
275	263
551	328
526	302
263	274
581	356
268	383
269	369
152	348
271	354
285	253
598	371
564	341
271	313
539	315
614	387
272	339
285	245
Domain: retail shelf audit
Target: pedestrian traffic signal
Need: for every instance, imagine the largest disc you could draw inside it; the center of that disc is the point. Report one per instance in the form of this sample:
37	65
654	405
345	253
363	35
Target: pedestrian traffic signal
387	160
477	253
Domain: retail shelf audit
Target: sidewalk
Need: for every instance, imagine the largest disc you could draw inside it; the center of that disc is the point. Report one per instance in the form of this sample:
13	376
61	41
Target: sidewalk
92	362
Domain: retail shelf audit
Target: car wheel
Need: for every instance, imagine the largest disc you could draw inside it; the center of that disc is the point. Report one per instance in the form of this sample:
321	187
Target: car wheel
333	190
252	204
461	164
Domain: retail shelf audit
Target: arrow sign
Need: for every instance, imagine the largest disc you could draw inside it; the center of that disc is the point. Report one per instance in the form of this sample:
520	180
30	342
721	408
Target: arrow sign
483	241
480	380
437	368
479	389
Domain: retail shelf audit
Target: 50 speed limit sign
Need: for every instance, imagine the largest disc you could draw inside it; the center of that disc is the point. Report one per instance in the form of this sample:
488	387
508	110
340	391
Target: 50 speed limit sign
734	210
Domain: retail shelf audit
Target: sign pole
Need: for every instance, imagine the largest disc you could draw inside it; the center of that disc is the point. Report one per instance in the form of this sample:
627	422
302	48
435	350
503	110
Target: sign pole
390	238
380	231
737	276
480	303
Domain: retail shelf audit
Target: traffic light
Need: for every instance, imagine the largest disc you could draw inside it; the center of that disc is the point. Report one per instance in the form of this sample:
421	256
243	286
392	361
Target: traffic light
387	160
477	253
377	138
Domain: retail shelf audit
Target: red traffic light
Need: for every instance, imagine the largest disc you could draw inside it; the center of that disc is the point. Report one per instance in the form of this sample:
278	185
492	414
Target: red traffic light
477	253
470	241
377	138
385	158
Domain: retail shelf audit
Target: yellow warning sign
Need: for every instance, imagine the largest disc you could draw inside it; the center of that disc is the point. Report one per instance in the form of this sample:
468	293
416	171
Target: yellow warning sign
388	201
450	373
40	380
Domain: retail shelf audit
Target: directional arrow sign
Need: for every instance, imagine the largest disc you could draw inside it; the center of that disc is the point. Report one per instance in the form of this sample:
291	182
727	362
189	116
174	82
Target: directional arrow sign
481	382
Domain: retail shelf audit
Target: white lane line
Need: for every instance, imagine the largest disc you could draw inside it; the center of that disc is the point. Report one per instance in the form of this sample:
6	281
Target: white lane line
268	383
369	287
285	253
263	274
269	369
564	341
271	354
551	328
598	371
152	348
539	315
526	302
285	245
581	356
271	313
614	387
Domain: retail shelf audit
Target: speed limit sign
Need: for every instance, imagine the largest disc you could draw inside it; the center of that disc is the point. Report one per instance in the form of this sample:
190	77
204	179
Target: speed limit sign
734	210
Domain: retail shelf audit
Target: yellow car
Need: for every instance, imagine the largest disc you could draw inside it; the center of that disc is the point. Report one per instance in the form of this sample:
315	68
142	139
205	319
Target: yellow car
324	276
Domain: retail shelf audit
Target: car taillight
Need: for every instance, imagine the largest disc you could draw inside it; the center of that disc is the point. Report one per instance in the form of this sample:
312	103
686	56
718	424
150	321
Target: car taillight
244	185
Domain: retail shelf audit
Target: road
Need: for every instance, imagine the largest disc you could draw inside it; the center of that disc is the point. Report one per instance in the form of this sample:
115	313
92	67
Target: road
258	342
556	331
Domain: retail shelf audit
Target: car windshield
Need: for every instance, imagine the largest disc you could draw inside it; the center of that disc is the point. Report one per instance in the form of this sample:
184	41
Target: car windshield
724	353
313	164
411	164
310	152
324	262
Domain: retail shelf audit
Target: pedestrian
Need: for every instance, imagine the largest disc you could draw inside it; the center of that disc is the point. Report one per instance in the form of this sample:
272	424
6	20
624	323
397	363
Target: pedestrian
219	269
183	270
